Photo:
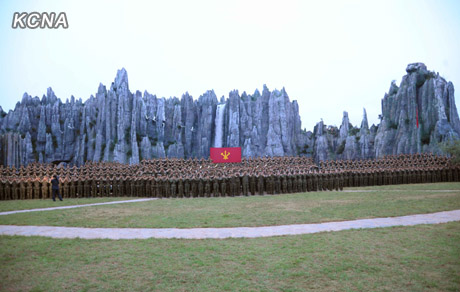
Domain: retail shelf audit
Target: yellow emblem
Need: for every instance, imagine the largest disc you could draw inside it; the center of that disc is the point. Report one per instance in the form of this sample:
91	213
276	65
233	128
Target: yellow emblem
225	154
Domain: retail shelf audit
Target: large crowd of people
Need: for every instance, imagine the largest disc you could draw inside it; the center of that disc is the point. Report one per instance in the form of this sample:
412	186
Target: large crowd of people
173	177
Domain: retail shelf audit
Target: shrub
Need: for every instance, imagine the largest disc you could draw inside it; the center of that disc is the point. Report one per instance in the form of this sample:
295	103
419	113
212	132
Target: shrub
425	139
353	131
112	146
55	144
341	148
127	134
393	125
453	149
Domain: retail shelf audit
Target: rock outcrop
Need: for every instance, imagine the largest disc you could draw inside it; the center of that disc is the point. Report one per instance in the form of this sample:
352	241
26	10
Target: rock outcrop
417	115
118	125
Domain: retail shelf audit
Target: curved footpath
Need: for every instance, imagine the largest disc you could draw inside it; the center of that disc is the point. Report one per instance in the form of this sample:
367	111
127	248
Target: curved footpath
233	232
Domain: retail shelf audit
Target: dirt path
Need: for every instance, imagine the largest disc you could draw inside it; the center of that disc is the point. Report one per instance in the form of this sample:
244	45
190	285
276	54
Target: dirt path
234	232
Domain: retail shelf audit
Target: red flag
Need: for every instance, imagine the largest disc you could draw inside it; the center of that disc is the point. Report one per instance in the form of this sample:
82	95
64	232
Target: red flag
416	116
226	154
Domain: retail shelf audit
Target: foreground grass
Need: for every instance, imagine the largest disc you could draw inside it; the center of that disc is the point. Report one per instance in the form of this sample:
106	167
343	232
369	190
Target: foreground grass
35	204
250	211
421	187
419	258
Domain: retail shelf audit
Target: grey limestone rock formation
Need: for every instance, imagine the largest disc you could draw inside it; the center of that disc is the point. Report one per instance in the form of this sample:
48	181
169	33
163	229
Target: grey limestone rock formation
423	96
416	117
118	125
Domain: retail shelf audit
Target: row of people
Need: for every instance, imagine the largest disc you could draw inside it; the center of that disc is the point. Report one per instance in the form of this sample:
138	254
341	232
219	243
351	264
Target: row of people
243	183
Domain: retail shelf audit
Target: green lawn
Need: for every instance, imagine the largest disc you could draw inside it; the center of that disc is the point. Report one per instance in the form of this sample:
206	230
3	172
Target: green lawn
311	207
422	187
419	258
34	204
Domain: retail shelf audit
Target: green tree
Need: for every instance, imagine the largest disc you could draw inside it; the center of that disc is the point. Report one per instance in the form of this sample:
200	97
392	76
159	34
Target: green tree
453	149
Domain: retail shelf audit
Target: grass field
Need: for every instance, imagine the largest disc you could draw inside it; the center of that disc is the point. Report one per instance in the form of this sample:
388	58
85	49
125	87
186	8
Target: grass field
34	204
421	187
300	208
418	258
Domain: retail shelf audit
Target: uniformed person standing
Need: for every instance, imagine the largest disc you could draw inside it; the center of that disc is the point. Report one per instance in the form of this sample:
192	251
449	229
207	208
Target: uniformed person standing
80	188
29	189
36	189
200	187
44	186
194	187
207	187
180	187
260	184
252	184
245	183
7	191
187	188
284	184
215	187
72	190
22	189
55	188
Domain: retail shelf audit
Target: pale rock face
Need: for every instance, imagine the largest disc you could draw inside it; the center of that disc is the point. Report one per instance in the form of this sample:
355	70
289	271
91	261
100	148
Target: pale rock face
118	125
422	95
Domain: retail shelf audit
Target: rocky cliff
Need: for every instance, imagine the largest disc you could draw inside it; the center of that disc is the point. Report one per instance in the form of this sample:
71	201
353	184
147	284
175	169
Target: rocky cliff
416	117
118	125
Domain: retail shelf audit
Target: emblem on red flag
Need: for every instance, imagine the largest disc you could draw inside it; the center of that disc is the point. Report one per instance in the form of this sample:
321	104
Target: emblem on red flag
226	155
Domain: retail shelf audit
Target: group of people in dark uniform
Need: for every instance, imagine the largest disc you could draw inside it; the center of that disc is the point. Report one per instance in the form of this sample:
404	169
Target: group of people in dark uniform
164	178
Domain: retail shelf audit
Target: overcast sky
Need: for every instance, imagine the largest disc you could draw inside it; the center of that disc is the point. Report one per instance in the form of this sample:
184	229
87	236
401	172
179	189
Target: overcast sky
330	56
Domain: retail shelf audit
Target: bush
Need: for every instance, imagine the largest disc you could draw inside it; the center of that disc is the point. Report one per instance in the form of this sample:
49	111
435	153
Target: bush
353	131
453	149
127	134
112	146
341	148
55	144
425	139
392	125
